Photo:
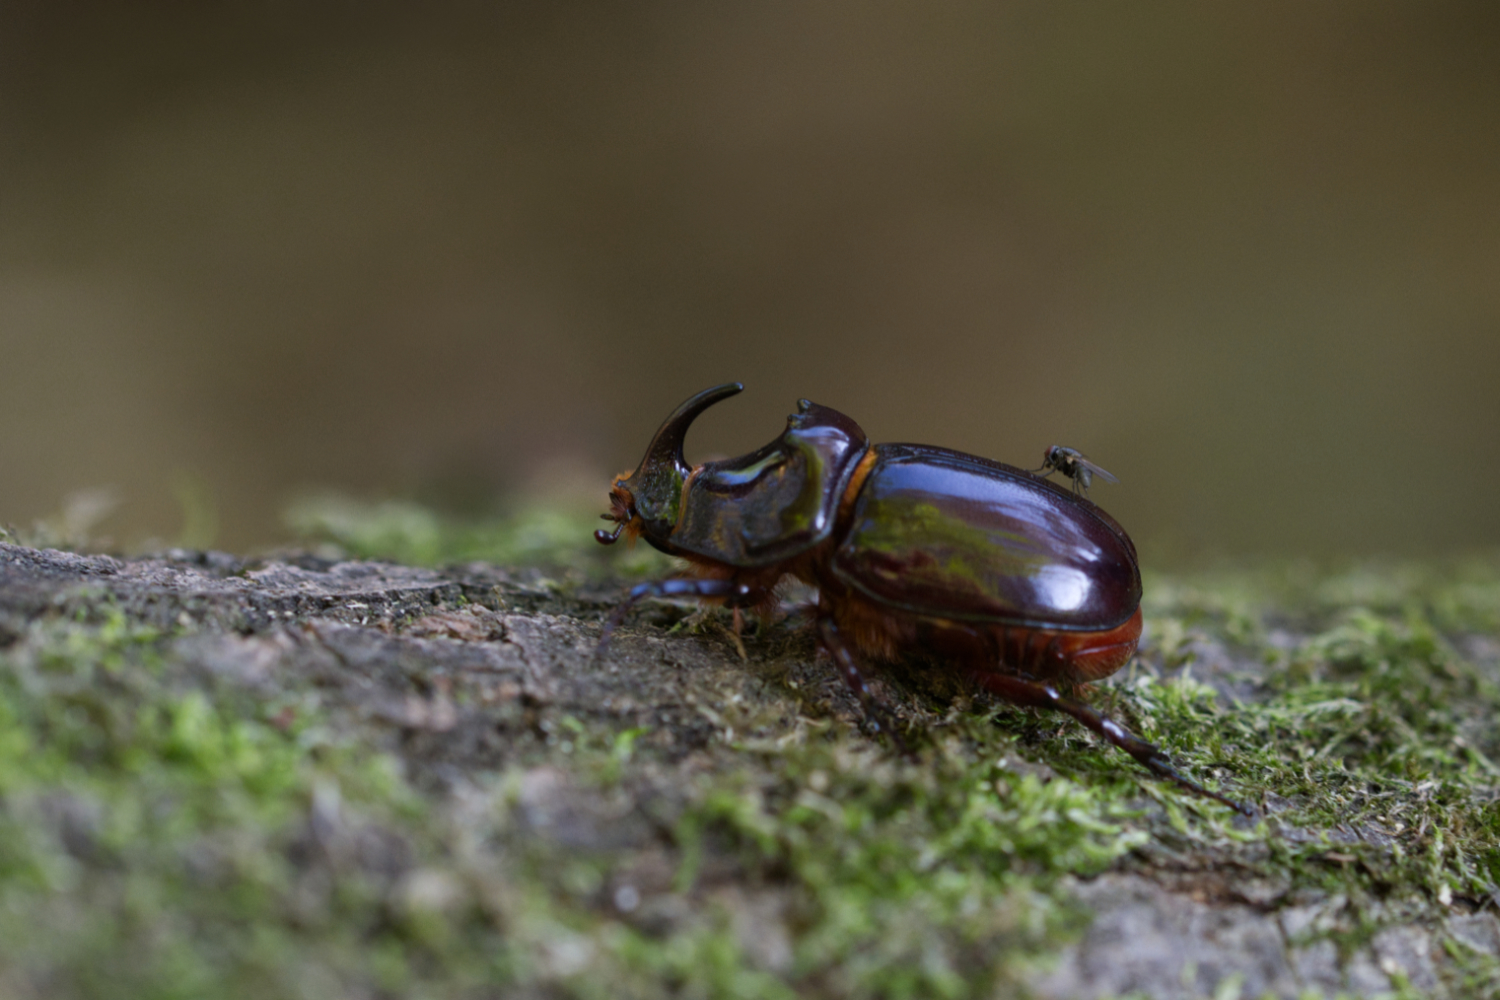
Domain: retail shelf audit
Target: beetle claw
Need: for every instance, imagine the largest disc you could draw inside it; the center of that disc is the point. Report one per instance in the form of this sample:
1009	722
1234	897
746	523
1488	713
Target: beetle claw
1033	694
1161	766
878	715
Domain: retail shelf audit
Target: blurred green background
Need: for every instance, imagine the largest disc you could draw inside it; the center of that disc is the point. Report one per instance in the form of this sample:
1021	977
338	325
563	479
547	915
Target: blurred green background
1247	256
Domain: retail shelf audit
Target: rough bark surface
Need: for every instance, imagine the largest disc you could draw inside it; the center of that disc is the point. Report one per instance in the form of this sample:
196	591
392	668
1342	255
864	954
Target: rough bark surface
468	672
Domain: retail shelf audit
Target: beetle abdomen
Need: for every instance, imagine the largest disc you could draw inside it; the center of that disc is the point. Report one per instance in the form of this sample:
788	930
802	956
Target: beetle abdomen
947	535
882	633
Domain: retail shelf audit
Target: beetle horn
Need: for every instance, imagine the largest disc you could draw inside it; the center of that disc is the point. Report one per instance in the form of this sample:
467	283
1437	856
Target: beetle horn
657	482
666	447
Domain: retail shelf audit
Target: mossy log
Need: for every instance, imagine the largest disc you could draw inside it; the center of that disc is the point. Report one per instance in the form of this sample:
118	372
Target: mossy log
300	776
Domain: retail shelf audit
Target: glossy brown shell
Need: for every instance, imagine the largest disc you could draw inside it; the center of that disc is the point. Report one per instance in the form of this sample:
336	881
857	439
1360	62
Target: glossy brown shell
775	503
947	535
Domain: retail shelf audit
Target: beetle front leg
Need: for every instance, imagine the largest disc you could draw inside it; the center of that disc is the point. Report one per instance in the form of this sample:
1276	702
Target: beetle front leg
877	712
733	594
1032	694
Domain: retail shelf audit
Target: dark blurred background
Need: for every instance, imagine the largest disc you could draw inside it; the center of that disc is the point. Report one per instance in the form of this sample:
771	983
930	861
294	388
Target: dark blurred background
1247	256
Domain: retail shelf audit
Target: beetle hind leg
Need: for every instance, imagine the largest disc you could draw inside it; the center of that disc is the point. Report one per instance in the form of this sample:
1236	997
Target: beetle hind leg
1031	694
877	712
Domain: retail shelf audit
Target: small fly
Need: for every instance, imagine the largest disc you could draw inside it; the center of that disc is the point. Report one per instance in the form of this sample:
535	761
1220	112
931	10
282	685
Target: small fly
1072	463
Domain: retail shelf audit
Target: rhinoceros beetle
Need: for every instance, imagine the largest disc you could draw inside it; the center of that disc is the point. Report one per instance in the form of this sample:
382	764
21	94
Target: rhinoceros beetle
1024	586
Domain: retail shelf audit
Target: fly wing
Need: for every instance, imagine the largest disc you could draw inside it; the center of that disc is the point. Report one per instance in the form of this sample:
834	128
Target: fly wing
1102	473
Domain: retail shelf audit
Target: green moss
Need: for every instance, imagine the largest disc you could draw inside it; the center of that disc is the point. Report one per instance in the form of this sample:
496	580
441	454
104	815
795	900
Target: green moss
1368	731
163	834
146	824
404	532
912	879
161	839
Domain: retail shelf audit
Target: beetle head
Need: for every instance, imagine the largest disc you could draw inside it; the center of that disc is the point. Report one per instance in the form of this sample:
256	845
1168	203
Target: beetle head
649	499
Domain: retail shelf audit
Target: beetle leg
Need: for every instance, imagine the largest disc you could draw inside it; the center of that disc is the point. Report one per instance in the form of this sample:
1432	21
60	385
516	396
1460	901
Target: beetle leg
1031	660
877	712
736	595
739	625
1034	695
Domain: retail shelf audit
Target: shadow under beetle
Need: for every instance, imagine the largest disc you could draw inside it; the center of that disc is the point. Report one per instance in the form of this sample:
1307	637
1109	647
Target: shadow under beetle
1020	584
